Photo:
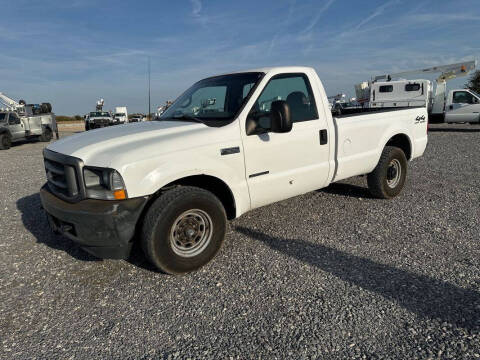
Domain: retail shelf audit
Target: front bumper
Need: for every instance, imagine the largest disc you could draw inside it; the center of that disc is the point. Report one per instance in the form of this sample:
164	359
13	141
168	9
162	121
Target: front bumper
104	228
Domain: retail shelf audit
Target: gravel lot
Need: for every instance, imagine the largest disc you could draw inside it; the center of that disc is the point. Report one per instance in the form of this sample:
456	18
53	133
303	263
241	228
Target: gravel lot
331	274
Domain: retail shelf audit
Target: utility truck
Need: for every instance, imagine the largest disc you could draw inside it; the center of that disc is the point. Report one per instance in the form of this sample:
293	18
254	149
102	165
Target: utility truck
458	105
21	121
99	118
227	145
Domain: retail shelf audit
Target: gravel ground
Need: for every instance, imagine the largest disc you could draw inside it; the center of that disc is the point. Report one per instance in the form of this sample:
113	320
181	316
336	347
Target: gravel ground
331	274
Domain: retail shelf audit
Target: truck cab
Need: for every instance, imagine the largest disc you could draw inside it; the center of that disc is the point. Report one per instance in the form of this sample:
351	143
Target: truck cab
462	105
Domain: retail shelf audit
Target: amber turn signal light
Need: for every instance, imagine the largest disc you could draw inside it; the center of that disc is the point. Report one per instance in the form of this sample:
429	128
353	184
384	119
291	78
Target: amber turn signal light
119	194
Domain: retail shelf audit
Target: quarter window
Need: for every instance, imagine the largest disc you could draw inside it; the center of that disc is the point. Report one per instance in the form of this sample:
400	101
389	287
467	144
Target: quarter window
385	88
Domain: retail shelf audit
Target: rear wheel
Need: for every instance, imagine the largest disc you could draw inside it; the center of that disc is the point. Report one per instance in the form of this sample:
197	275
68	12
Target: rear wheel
388	178
183	229
47	135
5	141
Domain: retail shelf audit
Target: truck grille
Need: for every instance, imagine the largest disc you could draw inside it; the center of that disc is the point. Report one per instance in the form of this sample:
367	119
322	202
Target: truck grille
63	175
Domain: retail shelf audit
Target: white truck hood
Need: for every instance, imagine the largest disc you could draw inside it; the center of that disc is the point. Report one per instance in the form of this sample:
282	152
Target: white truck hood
119	144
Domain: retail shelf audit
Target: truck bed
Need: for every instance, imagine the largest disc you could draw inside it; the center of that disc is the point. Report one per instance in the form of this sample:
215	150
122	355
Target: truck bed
361	137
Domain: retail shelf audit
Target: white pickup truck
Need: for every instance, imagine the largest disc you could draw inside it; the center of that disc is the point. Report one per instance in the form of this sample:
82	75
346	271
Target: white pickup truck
462	105
227	145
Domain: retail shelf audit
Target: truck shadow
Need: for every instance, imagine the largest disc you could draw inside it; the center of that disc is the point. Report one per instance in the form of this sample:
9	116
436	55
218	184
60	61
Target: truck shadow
347	190
422	295
35	221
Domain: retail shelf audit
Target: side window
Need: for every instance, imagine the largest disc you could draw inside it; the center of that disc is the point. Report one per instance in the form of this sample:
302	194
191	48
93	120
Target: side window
462	97
412	87
385	88
13	119
295	90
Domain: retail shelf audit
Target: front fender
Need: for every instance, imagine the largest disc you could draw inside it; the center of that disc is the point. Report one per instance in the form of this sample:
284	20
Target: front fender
146	177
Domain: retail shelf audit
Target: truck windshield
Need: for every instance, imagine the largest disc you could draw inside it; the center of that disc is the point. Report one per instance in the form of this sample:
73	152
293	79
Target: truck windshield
3	116
99	114
214	101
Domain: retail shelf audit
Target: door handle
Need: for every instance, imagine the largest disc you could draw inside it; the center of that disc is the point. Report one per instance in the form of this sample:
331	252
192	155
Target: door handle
323	137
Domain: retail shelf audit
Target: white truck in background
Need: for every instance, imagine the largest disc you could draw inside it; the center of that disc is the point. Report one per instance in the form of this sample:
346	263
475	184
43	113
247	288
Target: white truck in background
120	116
98	119
227	145
459	105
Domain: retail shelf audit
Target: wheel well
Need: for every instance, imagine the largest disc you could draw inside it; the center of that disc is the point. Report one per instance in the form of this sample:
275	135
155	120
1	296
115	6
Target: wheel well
401	141
209	183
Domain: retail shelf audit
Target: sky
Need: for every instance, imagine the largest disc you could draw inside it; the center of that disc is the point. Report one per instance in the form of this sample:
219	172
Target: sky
71	53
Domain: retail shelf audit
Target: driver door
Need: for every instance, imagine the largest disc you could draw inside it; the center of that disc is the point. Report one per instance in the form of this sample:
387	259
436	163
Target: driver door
464	108
282	165
15	126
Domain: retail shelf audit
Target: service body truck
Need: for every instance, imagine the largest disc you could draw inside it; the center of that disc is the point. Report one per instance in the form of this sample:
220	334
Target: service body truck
227	145
27	125
458	105
401	93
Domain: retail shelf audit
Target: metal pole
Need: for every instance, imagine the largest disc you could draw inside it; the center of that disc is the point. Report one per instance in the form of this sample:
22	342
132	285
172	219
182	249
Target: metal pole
149	108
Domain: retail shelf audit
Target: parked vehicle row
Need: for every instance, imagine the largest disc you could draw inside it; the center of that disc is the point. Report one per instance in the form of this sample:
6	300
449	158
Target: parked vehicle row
229	144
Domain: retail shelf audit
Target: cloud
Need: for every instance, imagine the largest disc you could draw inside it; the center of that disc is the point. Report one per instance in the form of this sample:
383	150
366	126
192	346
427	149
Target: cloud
196	7
317	17
197	13
377	12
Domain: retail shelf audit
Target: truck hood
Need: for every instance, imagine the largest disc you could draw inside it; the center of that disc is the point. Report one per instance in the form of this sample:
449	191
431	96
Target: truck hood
120	144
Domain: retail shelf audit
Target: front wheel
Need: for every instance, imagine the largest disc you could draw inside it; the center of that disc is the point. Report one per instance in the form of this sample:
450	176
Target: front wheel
183	229
388	178
5	141
47	135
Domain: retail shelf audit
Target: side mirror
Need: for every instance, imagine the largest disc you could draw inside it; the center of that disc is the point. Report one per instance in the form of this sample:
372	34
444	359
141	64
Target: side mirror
281	121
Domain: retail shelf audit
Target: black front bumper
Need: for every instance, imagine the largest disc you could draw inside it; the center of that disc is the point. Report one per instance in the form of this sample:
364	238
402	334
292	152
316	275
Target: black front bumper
104	228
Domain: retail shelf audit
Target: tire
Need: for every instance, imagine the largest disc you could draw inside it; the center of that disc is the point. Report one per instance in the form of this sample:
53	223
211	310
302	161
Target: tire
47	135
388	178
5	141
172	237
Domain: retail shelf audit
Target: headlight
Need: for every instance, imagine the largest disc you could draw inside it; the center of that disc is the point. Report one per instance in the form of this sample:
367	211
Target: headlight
104	183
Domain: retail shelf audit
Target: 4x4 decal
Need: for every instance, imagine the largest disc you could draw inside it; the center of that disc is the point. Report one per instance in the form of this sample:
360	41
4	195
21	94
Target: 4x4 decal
420	119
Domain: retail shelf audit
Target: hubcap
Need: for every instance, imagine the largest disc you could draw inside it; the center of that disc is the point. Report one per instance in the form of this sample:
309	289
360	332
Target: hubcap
191	233
394	173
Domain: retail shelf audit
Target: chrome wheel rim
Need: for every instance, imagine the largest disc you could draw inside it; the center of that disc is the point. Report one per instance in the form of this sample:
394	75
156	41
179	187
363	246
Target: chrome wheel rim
191	233
394	173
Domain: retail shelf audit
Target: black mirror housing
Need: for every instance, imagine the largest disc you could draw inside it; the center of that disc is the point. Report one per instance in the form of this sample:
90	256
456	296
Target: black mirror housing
281	121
